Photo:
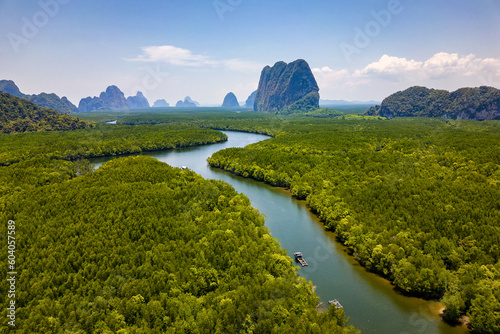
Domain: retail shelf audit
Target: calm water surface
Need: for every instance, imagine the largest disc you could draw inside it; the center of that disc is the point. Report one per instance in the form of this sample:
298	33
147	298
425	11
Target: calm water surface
370	301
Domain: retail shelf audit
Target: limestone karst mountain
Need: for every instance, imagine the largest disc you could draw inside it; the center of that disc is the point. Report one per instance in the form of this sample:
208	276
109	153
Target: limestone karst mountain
138	101
230	101
482	103
251	100
112	99
161	104
287	88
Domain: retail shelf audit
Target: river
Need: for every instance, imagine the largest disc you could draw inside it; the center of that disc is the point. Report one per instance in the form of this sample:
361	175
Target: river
370	301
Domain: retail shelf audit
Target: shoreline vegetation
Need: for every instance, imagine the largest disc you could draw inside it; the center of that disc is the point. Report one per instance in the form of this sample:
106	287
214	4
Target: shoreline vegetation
103	140
407	196
144	247
93	241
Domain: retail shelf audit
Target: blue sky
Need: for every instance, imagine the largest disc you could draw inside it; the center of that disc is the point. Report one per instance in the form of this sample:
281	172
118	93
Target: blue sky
358	49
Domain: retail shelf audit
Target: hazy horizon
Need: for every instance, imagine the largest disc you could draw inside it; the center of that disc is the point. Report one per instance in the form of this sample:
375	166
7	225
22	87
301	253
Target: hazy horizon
171	49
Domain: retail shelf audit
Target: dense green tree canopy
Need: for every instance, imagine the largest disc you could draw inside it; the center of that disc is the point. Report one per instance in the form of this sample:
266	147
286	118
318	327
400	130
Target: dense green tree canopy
104	140
20	115
481	103
414	200
141	247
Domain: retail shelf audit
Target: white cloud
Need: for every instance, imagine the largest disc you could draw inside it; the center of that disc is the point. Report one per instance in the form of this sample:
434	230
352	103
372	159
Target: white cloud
391	66
440	65
388	74
172	55
445	64
183	57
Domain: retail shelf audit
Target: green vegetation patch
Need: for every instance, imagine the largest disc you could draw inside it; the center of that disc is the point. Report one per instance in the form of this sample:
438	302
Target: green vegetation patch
415	200
20	115
254	122
104	140
481	103
140	247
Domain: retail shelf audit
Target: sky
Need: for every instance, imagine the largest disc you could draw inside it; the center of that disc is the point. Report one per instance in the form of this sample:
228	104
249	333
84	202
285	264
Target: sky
358	50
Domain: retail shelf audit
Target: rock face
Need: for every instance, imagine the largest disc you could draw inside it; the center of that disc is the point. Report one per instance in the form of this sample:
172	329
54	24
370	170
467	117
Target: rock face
8	86
251	100
187	103
230	101
63	105
161	104
112	99
481	103
137	102
287	88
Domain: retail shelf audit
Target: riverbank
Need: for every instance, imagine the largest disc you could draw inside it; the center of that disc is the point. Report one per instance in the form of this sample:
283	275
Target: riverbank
354	183
463	320
426	308
103	140
370	301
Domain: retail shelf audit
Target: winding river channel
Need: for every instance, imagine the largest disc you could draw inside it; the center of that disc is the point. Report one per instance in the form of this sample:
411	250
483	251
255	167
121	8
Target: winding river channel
370	301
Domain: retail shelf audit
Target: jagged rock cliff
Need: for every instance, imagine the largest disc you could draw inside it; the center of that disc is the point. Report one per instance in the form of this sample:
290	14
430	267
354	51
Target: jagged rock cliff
112	99
481	103
287	88
63	105
230	101
138	101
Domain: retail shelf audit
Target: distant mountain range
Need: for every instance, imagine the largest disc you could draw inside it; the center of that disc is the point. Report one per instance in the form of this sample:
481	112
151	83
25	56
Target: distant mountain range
114	99
285	87
111	99
480	104
63	105
187	103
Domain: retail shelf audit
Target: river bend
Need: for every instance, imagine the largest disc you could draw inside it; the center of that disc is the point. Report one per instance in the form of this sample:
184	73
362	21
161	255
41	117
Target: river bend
370	301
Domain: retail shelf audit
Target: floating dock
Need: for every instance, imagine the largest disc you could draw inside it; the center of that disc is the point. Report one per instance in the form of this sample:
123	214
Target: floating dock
335	303
300	258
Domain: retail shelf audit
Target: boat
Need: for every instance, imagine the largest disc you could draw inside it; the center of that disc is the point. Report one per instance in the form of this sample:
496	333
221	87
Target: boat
335	303
300	258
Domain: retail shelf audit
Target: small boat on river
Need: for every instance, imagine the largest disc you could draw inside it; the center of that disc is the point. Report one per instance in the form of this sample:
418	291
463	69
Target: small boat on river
335	303
300	258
